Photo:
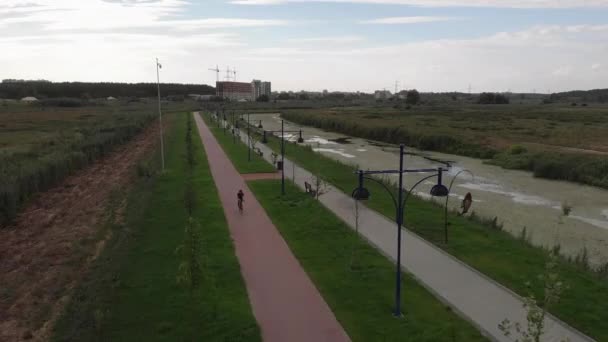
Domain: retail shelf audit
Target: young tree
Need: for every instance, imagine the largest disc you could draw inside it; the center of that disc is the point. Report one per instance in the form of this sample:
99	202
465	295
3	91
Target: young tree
321	187
536	310
254	139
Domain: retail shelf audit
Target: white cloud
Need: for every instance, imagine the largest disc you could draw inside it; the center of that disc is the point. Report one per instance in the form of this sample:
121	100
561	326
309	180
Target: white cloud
562	71
556	57
452	3
103	15
114	40
118	40
329	40
407	20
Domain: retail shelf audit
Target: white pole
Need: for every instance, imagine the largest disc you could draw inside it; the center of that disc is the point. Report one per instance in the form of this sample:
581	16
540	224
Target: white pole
160	118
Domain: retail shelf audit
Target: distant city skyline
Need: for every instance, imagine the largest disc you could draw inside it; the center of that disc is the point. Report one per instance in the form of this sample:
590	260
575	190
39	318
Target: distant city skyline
339	45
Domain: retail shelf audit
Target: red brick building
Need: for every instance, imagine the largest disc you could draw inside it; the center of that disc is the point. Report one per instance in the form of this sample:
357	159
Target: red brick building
234	90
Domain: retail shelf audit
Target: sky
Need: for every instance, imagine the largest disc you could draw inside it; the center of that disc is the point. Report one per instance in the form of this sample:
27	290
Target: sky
339	45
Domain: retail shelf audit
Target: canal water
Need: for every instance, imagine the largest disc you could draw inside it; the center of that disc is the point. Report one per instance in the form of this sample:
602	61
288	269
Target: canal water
516	198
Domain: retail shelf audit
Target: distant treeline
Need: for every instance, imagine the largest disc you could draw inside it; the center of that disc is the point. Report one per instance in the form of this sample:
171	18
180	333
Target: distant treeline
595	95
15	89
491	98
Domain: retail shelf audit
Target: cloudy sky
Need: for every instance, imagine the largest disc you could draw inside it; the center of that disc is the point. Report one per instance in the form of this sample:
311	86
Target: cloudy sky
432	45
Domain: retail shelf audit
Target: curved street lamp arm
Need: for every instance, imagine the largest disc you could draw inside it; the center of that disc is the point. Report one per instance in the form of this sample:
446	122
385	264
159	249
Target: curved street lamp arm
410	192
452	183
385	188
456	176
445	215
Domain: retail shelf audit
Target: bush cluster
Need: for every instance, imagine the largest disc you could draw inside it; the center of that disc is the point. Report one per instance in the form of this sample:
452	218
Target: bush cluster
586	169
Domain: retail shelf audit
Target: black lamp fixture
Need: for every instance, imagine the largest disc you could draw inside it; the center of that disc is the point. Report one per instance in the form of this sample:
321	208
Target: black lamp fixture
361	194
439	190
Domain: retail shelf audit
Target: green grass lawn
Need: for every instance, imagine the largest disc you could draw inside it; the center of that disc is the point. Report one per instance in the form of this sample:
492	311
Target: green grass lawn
496	253
131	294
354	278
237	151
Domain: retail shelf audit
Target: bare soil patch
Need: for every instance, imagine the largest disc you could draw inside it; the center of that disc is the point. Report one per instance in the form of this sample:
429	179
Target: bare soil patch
49	246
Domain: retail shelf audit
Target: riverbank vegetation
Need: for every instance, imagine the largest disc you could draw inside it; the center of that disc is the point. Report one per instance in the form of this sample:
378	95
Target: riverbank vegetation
169	271
482	244
555	141
40	147
359	289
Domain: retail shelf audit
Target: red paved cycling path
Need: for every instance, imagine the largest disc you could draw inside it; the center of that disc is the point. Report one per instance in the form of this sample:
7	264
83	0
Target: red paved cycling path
285	302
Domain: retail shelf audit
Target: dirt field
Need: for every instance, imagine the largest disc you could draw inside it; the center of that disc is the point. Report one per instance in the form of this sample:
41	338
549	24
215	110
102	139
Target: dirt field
52	242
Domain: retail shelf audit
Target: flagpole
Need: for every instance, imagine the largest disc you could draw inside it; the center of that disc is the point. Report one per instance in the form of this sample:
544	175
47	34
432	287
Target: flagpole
160	117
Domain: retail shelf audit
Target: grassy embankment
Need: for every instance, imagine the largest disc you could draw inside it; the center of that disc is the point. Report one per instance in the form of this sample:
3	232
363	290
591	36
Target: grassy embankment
132	291
237	151
40	146
355	279
510	260
536	138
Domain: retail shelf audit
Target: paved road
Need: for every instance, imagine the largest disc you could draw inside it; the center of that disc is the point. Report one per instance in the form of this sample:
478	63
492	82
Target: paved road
476	297
285	302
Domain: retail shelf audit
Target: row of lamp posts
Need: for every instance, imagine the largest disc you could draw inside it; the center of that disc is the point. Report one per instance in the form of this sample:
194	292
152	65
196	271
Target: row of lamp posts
361	193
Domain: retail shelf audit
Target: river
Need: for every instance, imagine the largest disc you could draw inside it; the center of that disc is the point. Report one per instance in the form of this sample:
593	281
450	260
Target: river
516	198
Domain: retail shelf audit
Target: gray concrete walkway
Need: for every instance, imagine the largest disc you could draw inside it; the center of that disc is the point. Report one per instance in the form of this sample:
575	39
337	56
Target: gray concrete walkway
476	297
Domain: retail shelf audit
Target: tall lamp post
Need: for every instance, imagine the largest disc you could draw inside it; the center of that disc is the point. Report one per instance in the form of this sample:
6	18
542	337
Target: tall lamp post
282	158
438	190
160	115
234	127
283	131
248	139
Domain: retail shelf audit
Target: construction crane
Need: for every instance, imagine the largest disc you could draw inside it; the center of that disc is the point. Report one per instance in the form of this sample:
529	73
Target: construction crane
228	73
217	73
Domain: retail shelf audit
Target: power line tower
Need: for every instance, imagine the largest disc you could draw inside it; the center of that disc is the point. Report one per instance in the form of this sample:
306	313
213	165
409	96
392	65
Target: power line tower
234	72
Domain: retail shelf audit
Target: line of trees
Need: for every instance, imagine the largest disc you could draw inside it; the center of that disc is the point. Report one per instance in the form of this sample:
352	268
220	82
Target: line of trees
17	89
595	95
492	98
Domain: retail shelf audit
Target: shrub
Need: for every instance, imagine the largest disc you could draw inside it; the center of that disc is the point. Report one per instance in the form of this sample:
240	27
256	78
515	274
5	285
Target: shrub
518	149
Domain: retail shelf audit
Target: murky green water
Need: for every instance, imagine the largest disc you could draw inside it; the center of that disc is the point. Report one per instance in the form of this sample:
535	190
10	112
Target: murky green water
517	198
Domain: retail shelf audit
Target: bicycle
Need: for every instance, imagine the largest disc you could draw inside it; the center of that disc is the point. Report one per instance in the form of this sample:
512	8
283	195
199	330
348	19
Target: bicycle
240	195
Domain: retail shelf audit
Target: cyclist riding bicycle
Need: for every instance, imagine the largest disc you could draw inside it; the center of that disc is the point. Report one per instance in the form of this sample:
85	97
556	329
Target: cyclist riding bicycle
240	195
